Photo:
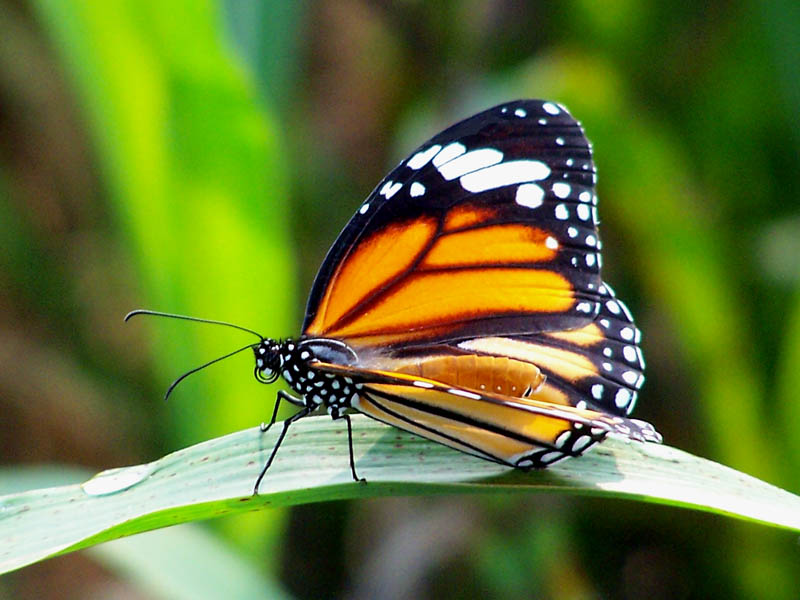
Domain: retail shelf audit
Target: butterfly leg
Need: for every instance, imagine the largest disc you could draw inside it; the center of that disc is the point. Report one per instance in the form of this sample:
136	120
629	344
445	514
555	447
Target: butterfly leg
286	423
282	395
350	444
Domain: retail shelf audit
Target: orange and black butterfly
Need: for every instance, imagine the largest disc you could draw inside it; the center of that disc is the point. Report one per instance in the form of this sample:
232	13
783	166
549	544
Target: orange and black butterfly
464	301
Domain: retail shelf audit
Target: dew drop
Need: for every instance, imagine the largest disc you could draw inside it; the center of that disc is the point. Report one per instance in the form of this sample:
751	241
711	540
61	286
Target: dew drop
112	481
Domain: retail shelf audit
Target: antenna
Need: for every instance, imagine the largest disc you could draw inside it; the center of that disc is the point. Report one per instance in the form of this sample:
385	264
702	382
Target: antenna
196	369
155	313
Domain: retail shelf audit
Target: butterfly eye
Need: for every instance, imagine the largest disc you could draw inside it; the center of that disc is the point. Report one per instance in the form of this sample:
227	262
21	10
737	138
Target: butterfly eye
268	361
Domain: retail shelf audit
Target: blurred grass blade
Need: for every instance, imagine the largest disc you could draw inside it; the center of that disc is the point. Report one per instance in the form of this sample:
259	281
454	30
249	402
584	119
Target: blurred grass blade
216	478
196	178
186	563
195	170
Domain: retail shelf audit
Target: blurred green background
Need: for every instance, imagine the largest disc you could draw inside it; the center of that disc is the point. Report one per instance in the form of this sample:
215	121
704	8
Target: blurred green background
200	157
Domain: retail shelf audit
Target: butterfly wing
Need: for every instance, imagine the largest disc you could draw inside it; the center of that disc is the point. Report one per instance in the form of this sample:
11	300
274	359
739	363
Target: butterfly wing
518	431
468	284
488	229
599	366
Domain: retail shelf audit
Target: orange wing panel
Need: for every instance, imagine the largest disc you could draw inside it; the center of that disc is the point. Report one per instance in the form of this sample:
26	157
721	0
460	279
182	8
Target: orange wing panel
426	300
496	374
496	244
583	337
509	417
379	259
466	438
467	215
567	364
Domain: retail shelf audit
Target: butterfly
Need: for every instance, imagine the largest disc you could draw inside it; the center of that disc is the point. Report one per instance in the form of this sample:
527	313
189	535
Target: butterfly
464	303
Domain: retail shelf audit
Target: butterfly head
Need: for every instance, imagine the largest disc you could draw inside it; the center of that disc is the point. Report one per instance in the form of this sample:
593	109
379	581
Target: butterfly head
269	355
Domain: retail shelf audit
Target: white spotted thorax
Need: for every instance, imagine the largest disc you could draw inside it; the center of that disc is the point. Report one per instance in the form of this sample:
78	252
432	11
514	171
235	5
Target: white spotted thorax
294	361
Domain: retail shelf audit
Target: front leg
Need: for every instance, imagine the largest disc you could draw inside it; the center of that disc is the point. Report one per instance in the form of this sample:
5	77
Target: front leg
278	443
282	395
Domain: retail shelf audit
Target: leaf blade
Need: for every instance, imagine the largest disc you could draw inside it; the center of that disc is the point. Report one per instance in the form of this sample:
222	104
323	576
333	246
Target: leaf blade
215	478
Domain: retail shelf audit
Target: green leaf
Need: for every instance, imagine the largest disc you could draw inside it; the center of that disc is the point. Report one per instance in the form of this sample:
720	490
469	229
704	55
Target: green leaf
216	478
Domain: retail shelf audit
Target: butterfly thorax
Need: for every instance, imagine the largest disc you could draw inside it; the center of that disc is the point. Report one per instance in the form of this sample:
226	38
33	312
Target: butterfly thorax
296	360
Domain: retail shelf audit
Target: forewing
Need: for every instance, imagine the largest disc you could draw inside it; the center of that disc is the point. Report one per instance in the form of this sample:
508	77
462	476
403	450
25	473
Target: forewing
488	229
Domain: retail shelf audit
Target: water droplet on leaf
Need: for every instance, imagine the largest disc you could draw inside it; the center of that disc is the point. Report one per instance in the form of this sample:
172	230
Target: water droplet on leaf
116	480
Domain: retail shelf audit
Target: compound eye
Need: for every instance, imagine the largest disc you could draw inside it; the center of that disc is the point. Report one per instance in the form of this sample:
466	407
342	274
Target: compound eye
265	374
267	363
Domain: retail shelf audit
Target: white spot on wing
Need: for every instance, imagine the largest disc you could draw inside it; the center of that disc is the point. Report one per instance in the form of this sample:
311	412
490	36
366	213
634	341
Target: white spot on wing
630	377
629	352
503	174
421	158
417	189
581	443
448	153
469	162
551	242
364	208
530	195
390	188
625	311
521	112
562	214
561	189
551	108
550	457
640	356
622	398
464	393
